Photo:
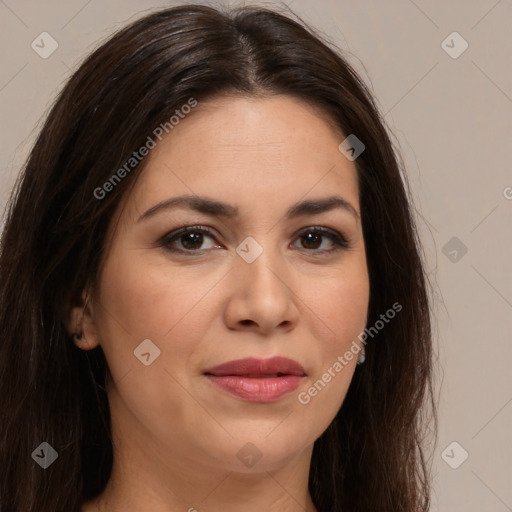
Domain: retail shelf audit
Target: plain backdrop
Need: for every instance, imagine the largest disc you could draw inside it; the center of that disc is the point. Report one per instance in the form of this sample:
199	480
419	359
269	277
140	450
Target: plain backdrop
449	109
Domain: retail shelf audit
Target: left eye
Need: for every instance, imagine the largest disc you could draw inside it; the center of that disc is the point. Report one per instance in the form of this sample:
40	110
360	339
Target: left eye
313	236
192	239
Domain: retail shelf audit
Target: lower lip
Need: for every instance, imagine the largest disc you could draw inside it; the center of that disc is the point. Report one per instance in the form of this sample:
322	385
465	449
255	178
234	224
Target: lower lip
258	389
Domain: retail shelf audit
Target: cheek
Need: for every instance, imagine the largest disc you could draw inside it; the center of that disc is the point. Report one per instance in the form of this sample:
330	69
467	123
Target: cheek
338	316
147	302
132	308
344	312
340	305
143	300
149	299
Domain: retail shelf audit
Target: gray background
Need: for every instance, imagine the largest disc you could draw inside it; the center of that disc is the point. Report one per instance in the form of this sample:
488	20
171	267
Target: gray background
452	118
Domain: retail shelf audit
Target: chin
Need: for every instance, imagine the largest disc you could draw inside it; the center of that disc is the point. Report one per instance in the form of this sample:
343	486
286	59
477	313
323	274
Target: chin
257	452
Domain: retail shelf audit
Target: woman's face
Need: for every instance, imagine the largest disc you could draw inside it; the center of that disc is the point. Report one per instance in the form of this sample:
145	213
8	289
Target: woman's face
263	282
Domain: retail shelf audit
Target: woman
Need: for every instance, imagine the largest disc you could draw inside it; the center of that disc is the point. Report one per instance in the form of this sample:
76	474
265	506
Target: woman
212	290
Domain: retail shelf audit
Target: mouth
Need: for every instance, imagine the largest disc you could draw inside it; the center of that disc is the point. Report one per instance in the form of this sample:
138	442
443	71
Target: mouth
257	380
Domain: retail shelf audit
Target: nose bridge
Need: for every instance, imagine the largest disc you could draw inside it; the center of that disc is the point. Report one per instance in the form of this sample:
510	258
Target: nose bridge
261	290
260	263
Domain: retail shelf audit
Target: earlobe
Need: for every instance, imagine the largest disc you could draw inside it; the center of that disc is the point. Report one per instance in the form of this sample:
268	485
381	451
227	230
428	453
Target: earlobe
81	325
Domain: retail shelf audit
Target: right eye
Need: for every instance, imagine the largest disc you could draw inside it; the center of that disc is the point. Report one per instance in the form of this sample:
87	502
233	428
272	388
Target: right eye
191	238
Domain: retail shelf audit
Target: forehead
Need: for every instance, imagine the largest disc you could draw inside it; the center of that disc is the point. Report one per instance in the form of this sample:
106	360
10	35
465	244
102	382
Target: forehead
249	149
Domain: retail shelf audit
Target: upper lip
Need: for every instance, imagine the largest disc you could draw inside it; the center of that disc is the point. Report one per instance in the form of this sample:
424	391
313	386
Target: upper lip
254	367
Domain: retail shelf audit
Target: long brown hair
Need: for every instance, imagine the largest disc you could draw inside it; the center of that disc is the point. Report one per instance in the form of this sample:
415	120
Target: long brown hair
372	456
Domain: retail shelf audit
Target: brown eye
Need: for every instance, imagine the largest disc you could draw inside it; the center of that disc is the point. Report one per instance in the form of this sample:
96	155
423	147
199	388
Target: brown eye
189	239
313	238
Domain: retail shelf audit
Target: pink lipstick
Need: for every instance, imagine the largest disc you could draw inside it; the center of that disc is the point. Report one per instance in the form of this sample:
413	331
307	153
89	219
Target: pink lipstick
258	380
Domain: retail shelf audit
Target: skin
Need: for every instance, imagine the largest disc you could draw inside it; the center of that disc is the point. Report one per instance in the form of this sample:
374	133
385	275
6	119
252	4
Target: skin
176	435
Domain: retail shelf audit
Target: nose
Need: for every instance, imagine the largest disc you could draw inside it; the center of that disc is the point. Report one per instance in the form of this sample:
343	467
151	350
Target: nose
261	297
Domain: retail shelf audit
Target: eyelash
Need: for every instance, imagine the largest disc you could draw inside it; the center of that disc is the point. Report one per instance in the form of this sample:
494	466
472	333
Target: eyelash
341	243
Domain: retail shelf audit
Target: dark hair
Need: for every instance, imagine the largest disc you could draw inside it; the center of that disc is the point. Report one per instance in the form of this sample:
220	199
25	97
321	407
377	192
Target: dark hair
371	457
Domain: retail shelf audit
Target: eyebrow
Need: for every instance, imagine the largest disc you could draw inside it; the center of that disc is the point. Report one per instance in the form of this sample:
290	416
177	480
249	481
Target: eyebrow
217	208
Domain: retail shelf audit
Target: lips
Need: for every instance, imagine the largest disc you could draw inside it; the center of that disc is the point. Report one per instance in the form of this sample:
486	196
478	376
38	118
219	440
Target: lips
257	380
258	368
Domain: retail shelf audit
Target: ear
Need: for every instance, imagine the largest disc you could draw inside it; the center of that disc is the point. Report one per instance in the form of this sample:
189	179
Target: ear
81	322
